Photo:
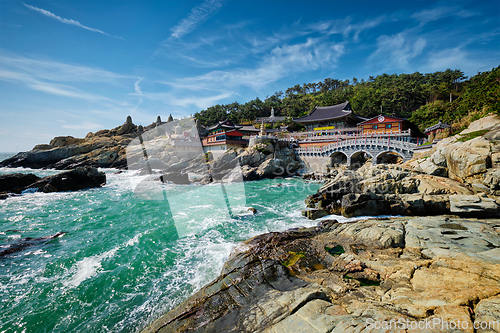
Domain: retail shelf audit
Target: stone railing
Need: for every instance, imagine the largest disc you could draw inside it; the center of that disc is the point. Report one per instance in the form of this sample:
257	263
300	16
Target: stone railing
314	135
358	142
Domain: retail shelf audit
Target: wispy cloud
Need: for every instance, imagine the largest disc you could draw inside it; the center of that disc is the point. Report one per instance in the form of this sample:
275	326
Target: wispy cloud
282	61
196	17
428	15
57	78
57	71
137	88
458	57
396	52
67	21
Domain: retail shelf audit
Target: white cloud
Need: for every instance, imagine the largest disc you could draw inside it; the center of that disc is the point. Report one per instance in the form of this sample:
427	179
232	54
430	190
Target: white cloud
137	88
428	15
180	100
56	71
52	77
396	52
67	21
282	61
458	58
197	16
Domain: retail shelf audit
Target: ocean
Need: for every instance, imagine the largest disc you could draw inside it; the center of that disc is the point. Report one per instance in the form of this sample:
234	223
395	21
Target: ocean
125	260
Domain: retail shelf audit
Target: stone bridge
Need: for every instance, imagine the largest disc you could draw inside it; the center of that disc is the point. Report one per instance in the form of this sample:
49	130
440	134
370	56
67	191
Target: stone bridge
348	151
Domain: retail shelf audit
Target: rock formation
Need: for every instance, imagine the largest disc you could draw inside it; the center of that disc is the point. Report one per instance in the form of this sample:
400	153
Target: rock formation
269	159
104	148
72	180
353	277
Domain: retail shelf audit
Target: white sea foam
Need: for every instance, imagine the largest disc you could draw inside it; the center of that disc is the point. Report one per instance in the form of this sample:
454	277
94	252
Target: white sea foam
90	266
87	268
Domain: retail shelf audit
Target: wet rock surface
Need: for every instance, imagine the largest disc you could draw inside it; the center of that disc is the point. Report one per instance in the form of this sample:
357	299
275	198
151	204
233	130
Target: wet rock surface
344	277
16	182
72	180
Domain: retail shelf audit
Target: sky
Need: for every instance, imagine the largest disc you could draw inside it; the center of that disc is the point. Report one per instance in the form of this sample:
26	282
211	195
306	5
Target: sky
73	67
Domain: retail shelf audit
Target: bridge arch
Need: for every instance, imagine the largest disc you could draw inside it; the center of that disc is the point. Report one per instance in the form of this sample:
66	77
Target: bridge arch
359	158
338	158
389	157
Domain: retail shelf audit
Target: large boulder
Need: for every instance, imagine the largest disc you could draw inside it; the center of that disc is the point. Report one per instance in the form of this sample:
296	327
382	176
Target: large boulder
468	159
73	180
61	141
16	182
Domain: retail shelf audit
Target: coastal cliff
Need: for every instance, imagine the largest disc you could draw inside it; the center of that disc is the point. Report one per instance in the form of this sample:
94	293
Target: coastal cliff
105	149
352	277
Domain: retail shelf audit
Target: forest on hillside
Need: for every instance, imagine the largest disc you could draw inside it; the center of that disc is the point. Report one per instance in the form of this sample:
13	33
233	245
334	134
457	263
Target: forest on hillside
423	98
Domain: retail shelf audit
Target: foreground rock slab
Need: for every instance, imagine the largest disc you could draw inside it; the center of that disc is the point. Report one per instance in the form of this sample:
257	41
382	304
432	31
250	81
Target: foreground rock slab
354	277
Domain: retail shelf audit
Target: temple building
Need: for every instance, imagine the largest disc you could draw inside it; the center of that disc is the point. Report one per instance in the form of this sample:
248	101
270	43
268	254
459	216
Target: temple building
439	130
331	120
226	135
382	125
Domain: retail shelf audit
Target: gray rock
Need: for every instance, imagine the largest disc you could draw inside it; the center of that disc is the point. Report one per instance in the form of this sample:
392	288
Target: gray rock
314	214
473	204
430	168
487	314
73	180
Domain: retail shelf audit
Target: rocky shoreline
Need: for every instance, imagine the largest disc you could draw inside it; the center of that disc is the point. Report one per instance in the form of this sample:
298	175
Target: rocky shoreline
349	277
459	175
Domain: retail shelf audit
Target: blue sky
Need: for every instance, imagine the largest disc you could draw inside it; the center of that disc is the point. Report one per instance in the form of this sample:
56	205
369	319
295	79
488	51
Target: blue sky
70	67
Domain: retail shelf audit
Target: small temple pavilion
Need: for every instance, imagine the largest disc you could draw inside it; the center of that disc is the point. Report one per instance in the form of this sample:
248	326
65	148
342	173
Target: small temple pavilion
439	128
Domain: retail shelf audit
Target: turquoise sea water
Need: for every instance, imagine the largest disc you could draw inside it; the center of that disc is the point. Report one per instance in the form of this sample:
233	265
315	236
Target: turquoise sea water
125	260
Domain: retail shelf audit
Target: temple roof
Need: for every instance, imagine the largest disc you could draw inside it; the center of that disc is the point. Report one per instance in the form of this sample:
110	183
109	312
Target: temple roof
226	124
439	125
248	128
382	119
270	119
321	113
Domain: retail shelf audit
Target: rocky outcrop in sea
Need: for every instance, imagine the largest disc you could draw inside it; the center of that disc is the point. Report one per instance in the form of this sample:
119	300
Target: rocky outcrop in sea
72	180
173	151
352	277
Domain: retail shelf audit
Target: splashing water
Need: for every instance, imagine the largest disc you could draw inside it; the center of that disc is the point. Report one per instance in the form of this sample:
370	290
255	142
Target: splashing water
120	265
